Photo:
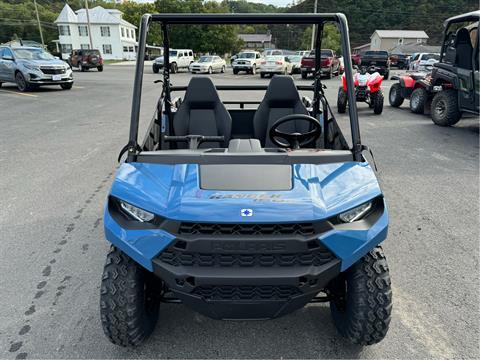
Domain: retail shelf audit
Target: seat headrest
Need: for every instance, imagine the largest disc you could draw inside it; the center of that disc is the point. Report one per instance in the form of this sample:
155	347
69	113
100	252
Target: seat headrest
282	92
201	93
463	36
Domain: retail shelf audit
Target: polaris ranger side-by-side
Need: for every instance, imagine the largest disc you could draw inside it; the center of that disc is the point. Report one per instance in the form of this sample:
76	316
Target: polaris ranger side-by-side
245	213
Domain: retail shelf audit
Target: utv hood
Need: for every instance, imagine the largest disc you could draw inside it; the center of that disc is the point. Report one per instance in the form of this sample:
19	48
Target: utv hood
317	192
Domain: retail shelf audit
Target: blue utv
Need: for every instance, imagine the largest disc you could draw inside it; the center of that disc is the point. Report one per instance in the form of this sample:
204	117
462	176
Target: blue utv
245	213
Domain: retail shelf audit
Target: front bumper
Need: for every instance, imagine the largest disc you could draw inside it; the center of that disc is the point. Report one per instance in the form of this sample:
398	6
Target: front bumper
246	271
40	78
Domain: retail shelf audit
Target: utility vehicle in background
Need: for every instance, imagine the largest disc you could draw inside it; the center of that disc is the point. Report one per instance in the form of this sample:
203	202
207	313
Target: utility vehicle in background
178	59
248	61
85	59
245	213
455	82
368	89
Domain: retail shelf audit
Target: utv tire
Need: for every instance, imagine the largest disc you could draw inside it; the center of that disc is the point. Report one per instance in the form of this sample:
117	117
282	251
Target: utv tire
418	99
444	108
129	300
66	86
100	68
362	304
377	100
155	69
341	101
235	72
395	96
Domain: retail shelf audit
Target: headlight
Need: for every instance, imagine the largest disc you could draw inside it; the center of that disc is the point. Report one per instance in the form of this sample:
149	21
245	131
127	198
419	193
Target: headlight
32	67
356	213
136	213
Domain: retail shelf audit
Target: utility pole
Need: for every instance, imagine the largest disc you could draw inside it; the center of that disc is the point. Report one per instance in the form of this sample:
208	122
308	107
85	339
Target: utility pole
88	24
38	20
314	27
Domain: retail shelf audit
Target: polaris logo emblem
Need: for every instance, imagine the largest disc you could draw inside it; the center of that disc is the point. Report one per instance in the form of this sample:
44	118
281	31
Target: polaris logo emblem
246	212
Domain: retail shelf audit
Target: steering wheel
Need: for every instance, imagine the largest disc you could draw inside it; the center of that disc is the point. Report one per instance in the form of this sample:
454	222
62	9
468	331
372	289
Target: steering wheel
295	140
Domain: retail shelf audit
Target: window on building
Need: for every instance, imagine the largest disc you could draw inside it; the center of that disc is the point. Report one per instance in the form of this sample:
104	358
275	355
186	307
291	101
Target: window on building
84	46
105	31
107	48
66	48
132	34
130	48
419	41
400	41
64	30
82	30
125	49
123	31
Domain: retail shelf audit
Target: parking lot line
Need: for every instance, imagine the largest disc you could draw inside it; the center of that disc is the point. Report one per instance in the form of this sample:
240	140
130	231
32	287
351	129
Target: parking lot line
17	93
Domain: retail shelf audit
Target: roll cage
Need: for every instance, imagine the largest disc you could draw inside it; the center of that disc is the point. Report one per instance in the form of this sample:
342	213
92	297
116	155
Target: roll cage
134	151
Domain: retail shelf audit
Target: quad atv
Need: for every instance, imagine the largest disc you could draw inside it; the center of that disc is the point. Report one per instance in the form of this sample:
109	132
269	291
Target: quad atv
368	84
454	85
245	213
411	86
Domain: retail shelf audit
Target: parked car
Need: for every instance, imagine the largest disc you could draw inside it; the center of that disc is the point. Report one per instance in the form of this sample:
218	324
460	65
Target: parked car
377	60
208	64
330	65
30	67
178	58
272	65
296	61
302	52
399	61
85	59
248	61
424	61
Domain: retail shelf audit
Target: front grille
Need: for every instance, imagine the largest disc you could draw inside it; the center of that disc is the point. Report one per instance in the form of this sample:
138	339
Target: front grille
246	292
53	71
303	229
315	257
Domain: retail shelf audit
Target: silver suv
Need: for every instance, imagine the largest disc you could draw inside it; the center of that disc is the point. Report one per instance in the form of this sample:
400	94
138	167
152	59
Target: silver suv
30	67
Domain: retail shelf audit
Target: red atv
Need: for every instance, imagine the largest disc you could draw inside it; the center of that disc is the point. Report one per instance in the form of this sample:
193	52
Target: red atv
410	86
367	89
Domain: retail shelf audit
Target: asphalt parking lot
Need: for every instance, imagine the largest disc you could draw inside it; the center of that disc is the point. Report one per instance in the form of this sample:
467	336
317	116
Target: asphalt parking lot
58	157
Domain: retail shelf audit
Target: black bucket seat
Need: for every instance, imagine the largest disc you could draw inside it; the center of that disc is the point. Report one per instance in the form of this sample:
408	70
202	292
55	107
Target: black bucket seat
202	113
281	99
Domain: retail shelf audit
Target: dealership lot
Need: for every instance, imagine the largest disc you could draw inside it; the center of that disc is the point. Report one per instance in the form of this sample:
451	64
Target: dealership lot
58	158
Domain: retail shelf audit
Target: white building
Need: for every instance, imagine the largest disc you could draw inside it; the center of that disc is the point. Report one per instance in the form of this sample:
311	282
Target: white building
388	39
113	36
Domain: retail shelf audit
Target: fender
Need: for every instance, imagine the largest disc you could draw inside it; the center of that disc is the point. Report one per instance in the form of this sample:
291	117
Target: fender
374	82
408	82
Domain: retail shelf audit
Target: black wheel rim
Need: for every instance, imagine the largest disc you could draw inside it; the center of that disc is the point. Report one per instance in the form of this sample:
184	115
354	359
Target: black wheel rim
440	108
21	82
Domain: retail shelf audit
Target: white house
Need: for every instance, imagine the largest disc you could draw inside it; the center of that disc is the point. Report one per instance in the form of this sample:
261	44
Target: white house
388	39
113	36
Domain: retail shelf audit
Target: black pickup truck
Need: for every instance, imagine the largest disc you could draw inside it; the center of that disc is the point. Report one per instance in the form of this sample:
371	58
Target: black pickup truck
377	60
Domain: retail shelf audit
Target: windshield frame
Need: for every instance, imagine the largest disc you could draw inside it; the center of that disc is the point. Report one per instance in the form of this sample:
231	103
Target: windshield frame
133	149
